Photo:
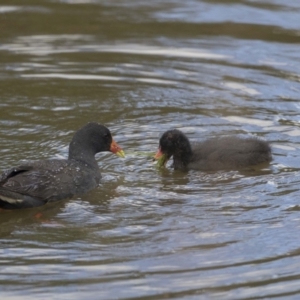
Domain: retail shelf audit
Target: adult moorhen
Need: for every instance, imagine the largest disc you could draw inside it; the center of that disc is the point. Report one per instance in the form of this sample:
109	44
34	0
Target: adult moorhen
212	154
39	182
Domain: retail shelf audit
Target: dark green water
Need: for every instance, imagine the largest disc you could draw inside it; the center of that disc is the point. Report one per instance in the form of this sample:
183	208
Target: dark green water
142	67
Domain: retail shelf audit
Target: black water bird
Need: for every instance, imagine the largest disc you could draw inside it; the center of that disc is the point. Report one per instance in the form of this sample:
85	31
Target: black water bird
219	153
39	182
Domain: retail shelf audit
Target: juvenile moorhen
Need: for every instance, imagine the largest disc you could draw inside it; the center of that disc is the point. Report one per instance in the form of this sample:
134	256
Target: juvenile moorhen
212	154
39	182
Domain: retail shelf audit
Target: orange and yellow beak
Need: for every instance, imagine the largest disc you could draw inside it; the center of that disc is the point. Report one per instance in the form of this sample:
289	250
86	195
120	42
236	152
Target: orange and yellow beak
115	148
161	158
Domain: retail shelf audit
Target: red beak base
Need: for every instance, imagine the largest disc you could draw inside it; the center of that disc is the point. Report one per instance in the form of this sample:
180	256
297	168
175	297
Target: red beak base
115	148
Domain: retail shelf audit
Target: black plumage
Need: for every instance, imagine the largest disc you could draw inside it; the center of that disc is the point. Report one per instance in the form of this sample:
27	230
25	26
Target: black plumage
39	182
212	154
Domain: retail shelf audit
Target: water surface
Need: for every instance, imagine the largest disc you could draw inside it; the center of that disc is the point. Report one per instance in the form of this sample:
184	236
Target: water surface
209	68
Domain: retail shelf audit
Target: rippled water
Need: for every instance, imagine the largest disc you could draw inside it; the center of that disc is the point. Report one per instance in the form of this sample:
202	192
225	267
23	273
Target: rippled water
142	67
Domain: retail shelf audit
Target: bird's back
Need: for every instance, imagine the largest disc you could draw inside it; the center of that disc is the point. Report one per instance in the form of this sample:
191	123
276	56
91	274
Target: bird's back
45	181
229	153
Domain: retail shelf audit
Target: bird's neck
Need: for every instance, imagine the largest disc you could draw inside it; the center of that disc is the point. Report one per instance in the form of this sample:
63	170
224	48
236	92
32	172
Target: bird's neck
182	158
82	155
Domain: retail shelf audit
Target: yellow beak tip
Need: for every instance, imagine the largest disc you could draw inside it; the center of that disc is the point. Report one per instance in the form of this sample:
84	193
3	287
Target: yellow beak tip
121	153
